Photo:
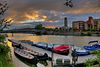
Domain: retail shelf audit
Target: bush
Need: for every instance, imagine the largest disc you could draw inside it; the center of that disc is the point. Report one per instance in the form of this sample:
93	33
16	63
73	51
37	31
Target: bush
95	52
4	49
92	62
2	38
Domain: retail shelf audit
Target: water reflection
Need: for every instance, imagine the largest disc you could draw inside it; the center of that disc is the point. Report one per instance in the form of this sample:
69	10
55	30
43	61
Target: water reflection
71	40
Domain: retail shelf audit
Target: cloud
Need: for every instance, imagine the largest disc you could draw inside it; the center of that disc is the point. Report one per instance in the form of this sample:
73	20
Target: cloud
53	9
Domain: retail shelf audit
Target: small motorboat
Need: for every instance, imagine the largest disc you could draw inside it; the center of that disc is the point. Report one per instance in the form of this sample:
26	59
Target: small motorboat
26	41
50	46
81	51
42	45
94	45
62	49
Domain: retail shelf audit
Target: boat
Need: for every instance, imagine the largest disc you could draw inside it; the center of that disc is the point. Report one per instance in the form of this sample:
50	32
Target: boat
62	49
25	56
92	46
47	46
42	45
26	41
81	51
38	44
40	56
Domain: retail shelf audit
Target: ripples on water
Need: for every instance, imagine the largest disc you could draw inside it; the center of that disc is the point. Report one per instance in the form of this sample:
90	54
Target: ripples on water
55	39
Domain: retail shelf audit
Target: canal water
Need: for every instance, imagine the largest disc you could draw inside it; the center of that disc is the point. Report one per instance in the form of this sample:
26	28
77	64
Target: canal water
55	39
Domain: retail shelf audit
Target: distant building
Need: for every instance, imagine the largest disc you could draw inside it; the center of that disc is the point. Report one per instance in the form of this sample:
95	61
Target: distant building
90	24
97	24
65	24
79	25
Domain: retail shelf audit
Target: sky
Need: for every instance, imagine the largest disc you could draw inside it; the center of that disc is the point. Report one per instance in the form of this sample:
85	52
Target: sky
52	10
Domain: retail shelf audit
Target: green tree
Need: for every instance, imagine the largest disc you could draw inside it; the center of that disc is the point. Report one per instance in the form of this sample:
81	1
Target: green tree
39	27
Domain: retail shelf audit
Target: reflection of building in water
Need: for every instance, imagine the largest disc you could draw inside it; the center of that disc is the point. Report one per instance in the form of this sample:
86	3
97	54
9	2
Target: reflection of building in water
90	24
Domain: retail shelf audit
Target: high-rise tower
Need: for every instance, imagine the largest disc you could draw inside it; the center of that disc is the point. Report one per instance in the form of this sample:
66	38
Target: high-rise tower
65	22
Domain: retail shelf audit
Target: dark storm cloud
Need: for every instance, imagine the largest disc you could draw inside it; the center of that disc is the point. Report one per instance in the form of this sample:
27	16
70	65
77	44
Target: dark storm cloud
53	9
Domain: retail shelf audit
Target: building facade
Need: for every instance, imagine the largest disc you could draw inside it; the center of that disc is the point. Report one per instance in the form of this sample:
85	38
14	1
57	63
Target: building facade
90	24
97	24
79	25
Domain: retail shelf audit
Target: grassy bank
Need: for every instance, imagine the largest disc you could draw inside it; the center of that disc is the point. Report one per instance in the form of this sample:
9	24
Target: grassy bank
5	54
94	62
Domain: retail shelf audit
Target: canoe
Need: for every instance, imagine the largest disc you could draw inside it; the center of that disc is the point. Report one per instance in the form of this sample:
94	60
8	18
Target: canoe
81	51
62	49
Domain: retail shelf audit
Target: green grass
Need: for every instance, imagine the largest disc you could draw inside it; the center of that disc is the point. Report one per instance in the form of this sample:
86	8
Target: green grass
89	62
5	61
5	56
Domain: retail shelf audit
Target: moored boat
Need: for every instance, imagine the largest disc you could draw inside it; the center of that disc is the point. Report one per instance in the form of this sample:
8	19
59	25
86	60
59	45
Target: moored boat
22	46
62	49
81	51
25	55
92	46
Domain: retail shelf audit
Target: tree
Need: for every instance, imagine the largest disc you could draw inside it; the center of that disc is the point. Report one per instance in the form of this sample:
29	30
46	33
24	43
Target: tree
39	27
3	22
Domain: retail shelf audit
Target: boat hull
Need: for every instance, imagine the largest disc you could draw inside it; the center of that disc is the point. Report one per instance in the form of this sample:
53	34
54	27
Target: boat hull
83	53
65	52
31	61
